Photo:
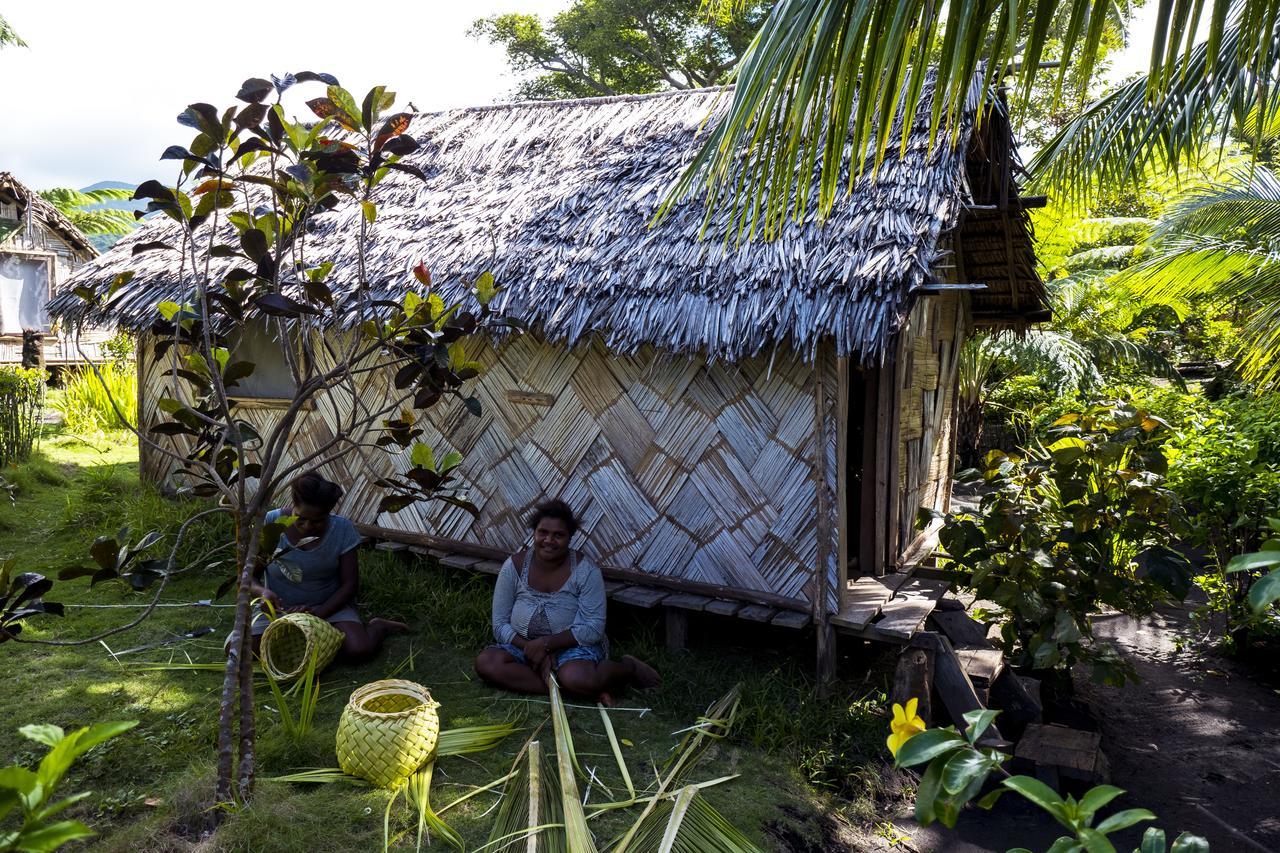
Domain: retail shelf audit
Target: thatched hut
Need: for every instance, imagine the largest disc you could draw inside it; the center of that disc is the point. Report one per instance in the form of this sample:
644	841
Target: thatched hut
753	424
39	250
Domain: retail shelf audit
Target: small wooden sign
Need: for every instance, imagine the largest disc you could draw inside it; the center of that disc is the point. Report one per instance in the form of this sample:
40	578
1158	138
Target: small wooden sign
530	398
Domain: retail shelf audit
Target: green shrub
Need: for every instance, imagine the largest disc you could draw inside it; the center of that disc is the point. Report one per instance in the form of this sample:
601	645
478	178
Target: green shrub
1083	522
86	401
21	412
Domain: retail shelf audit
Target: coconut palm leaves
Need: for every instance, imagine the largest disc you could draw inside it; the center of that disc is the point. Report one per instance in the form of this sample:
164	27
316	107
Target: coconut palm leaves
8	36
79	208
1153	124
824	76
1223	242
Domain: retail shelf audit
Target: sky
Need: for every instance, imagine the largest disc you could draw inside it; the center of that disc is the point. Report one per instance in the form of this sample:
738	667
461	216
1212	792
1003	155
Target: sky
94	96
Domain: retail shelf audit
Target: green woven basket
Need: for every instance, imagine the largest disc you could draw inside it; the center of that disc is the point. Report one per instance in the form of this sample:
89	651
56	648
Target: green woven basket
288	642
388	730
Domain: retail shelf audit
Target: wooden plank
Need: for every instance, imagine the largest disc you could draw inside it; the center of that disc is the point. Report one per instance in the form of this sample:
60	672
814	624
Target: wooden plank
904	614
981	665
756	613
720	607
530	398
460	561
864	598
391	546
687	601
612	587
961	629
489	567
1062	748
793	619
639	596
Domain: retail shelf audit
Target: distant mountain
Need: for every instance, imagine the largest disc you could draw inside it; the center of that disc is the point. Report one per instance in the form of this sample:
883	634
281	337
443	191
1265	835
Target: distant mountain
102	242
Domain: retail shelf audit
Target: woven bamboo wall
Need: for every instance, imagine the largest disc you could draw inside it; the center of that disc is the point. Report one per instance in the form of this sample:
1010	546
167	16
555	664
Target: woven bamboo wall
936	329
677	466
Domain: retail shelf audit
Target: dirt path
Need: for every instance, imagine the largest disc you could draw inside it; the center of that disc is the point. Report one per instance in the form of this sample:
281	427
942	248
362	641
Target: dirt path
1197	742
1199	738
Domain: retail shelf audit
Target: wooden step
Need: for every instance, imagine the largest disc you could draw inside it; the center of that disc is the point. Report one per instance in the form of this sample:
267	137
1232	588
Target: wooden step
864	598
961	629
904	614
983	666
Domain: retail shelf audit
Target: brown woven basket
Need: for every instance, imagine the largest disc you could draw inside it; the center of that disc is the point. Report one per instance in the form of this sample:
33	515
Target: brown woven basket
288	642
388	730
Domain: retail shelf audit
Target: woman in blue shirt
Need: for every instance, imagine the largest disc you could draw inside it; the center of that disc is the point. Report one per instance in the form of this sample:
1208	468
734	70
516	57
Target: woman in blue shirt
316	569
548	614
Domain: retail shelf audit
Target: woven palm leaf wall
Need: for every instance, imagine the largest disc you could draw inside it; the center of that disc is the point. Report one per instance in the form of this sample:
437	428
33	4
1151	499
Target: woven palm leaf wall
678	467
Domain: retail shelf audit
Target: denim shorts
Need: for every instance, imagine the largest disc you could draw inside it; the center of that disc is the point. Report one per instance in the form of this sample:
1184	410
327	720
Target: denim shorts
595	654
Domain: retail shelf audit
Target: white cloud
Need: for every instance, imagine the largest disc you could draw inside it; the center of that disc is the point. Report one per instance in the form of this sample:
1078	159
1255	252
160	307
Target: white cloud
94	96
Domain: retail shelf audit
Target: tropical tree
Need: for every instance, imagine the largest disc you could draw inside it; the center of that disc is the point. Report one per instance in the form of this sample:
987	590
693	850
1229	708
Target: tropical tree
1222	244
822	70
84	209
615	47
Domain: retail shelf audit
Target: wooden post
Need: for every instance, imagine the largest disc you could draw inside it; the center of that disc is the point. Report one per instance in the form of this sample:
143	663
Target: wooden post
868	564
677	628
826	640
913	679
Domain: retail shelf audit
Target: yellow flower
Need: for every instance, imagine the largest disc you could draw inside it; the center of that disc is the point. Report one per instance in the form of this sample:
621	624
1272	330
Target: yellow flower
905	725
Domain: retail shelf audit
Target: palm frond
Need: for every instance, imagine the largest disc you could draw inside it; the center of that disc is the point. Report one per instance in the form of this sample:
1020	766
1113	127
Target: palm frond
1160	122
531	805
826	80
577	834
77	206
1223	243
472	738
8	36
687	823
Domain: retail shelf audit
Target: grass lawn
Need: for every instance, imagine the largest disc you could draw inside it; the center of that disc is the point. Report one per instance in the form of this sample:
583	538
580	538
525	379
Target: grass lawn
803	763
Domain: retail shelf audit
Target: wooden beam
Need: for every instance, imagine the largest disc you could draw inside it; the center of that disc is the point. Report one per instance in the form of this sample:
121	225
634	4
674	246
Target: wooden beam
632	576
826	645
720	607
755	613
868	503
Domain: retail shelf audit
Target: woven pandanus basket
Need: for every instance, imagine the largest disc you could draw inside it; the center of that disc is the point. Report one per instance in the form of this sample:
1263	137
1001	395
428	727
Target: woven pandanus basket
388	730
288	642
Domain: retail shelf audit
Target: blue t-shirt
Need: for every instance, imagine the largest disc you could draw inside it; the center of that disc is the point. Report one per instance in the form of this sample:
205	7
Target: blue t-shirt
310	576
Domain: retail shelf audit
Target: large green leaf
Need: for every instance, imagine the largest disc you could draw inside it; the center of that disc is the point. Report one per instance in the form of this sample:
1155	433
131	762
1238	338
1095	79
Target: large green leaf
928	745
1265	591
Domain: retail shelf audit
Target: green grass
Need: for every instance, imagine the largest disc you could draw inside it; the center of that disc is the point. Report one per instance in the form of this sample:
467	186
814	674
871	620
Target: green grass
801	758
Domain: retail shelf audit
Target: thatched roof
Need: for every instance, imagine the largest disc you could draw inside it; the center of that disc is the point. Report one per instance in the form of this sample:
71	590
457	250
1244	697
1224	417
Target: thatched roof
44	213
557	198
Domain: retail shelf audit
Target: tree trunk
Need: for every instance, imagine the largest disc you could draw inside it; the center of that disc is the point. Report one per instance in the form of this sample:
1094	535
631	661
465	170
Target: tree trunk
969	432
237	679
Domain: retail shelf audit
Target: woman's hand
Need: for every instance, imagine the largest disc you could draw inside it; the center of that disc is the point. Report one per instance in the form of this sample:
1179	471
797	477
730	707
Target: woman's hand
302	608
269	598
536	651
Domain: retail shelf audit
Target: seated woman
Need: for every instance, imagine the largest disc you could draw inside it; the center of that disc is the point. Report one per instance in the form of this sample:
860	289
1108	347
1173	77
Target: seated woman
548	614
318	572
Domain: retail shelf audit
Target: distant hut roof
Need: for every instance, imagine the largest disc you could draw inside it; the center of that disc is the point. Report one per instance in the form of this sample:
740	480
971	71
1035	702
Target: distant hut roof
556	199
43	212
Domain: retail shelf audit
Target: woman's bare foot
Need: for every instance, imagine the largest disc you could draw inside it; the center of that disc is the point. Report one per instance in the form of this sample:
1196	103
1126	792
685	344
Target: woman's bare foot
389	626
607	700
644	676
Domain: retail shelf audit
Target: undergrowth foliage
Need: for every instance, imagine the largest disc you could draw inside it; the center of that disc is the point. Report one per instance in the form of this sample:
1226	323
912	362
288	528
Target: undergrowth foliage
22	398
89	402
